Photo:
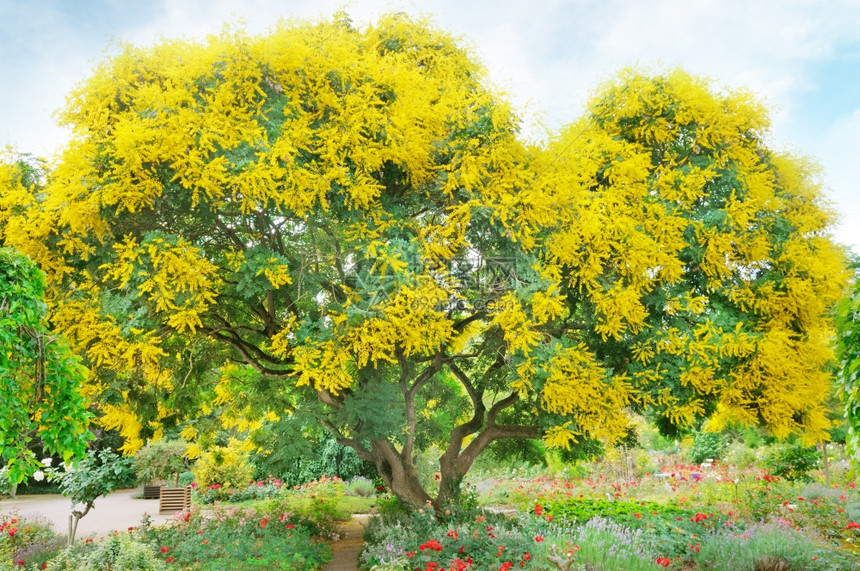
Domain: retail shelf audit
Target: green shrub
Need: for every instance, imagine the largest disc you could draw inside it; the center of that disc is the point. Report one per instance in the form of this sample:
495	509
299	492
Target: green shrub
604	544
224	466
765	546
112	553
29	539
361	486
420	540
160	461
706	445
239	539
793	462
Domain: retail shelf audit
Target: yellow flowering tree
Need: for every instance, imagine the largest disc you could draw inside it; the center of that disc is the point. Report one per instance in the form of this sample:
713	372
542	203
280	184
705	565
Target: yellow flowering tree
347	222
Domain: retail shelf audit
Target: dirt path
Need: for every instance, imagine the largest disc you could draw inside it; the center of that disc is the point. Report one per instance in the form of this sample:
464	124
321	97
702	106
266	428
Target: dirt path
345	551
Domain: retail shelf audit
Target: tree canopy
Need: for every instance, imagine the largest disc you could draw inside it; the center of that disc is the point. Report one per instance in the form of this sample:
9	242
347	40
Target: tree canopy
347	222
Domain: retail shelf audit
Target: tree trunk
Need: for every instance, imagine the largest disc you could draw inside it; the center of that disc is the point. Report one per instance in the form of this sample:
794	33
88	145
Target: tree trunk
398	473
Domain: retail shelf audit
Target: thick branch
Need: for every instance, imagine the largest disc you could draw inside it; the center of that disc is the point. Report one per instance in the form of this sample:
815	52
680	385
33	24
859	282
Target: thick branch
353	443
242	348
494	432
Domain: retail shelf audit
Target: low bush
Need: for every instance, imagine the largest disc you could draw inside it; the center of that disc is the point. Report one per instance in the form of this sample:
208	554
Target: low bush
794	462
114	552
238	539
420	540
707	446
361	486
770	546
28	541
224	466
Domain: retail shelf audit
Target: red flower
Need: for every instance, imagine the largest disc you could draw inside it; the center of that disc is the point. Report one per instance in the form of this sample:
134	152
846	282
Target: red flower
538	509
263	523
663	561
290	526
527	556
505	566
637	515
452	533
170	559
410	554
21	562
432	544
538	538
165	549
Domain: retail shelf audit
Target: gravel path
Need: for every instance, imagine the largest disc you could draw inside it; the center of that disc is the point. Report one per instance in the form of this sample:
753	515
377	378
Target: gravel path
345	551
117	511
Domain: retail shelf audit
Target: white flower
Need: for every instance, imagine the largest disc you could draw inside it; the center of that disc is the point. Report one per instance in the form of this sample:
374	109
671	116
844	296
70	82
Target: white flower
38	475
46	462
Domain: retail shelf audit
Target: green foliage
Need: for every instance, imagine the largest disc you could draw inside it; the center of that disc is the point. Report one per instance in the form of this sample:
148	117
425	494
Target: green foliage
238	539
99	473
299	453
27	538
529	451
40	377
111	553
361	486
224	466
792	461
606	545
707	445
670	530
766	547
160	460
848	353
317	501
418	540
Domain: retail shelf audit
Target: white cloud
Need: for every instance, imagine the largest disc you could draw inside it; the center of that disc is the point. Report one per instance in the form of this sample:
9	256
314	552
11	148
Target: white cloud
838	153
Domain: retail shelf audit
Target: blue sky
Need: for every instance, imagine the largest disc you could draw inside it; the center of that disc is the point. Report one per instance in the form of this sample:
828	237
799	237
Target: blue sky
802	57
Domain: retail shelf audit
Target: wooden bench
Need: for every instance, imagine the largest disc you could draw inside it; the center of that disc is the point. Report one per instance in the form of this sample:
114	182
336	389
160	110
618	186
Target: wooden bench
174	499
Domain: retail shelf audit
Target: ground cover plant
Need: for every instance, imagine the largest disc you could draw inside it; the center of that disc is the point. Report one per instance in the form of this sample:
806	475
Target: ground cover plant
27	541
238	538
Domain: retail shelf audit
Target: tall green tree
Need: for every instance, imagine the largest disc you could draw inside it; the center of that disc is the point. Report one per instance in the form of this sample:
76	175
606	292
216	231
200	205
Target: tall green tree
40	378
347	221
